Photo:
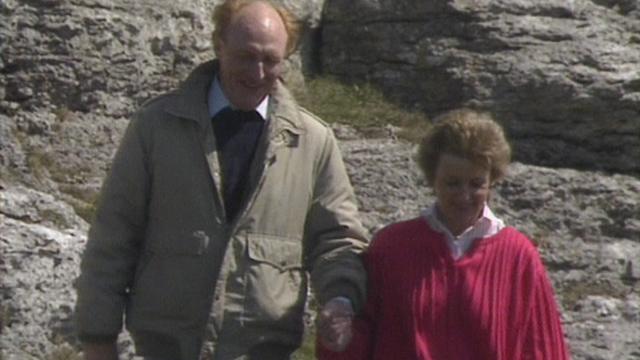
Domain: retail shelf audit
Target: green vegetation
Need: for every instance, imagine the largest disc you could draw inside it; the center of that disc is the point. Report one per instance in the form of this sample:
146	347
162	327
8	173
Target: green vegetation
39	162
85	210
64	352
576	291
83	201
308	349
44	165
361	106
5	317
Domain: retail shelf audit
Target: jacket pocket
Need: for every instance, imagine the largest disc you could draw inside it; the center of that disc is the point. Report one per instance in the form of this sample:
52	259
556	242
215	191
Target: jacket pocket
276	284
162	247
275	252
171	282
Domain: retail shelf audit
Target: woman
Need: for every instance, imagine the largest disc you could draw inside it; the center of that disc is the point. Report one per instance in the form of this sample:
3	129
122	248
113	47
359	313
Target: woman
455	282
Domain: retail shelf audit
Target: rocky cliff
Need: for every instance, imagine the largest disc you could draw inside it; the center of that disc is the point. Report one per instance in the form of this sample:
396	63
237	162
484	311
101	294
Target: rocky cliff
563	76
71	71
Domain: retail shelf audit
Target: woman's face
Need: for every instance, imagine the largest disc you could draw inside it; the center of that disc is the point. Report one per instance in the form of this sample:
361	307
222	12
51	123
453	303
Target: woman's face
462	188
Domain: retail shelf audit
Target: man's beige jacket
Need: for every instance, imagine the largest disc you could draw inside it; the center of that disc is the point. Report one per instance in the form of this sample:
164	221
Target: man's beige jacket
161	252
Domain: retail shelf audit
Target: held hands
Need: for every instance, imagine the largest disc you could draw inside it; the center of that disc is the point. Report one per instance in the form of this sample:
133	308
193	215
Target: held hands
100	351
334	324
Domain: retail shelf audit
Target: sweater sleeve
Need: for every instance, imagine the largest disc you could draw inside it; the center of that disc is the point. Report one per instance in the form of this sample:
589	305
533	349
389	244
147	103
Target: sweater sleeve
545	338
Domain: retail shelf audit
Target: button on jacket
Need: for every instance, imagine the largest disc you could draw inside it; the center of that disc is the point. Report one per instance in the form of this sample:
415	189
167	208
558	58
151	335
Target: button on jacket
161	250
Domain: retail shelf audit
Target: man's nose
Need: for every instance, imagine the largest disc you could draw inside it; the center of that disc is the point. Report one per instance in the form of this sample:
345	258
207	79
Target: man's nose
257	70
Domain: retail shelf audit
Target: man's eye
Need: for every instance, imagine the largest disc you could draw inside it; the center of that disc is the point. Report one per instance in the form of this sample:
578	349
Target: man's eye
479	183
243	55
272	61
246	57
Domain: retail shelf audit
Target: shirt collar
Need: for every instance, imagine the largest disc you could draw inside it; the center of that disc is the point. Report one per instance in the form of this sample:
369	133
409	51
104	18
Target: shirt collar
217	100
487	225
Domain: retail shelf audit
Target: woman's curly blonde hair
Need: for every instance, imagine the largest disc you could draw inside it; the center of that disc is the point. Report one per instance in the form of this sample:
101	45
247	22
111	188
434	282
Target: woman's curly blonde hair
468	134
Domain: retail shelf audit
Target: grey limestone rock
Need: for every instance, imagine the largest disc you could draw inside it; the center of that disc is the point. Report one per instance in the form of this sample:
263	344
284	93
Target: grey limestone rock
563	76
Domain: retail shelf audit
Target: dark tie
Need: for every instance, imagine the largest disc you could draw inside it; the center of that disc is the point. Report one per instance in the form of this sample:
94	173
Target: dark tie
237	133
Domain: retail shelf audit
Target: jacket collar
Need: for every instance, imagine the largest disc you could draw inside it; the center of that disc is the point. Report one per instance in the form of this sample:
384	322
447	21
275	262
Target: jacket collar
190	101
284	111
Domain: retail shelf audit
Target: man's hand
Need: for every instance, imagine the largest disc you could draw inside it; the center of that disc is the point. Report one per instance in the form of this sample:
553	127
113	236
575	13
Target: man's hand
334	324
100	351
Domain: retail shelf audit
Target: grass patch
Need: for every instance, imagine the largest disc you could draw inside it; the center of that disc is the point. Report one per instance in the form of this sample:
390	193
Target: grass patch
39	162
55	218
64	352
63	114
83	201
307	350
361	106
44	165
5	316
85	210
574	292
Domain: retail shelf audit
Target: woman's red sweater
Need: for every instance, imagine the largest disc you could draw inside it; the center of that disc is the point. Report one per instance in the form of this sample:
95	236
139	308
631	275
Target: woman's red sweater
494	303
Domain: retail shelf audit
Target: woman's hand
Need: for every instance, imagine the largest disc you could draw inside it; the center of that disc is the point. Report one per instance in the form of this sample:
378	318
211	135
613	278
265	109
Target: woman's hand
334	324
100	351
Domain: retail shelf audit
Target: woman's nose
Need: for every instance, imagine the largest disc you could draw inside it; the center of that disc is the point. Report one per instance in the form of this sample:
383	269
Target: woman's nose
466	192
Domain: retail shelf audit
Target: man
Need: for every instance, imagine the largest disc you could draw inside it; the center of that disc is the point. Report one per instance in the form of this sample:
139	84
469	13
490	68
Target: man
220	198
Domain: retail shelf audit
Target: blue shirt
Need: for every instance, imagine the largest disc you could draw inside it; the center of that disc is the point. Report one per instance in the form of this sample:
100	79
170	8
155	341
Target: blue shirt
217	100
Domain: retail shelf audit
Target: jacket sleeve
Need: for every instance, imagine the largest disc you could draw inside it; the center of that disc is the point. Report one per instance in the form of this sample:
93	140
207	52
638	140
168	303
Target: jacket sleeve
109	259
361	345
544	338
333	231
